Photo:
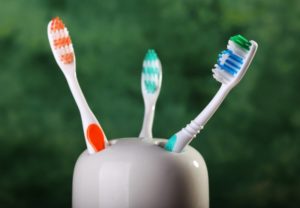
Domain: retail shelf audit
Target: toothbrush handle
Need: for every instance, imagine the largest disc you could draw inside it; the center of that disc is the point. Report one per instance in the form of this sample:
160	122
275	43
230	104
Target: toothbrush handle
146	131
93	133
185	135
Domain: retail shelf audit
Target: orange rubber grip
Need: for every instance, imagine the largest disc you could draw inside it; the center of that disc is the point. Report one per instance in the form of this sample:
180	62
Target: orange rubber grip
96	137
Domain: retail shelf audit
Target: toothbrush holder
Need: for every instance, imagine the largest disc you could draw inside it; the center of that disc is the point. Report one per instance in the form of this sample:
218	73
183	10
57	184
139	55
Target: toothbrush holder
140	173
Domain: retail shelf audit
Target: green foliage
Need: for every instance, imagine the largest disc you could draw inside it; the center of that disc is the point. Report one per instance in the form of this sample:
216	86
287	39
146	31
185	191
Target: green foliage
251	145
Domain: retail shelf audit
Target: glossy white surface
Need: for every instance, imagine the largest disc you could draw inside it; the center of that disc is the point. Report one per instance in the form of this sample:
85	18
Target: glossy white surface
135	173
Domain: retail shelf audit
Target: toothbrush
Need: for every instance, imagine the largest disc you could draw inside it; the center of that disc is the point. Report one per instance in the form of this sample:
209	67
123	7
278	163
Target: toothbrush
151	83
231	66
62	48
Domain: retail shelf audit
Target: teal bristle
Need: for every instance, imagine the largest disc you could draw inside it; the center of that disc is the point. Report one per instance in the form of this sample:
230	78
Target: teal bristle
151	71
151	55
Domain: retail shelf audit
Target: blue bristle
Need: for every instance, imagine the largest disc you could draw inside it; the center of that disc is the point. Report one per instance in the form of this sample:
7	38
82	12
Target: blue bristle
236	57
232	64
237	66
229	69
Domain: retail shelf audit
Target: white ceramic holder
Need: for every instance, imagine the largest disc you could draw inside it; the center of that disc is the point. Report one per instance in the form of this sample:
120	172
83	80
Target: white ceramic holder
135	173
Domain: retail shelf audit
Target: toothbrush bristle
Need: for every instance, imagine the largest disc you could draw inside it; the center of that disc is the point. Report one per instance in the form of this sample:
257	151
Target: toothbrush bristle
151	72
230	61
57	24
241	41
62	41
227	67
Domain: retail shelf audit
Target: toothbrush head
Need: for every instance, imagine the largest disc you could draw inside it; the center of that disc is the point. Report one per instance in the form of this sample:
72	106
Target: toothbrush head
233	63
60	42
151	74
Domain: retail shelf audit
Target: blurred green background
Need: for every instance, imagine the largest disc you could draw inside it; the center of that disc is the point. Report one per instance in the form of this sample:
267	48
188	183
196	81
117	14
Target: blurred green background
251	145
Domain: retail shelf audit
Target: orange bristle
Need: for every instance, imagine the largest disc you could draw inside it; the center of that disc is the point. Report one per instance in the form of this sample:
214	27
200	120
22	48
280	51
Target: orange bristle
62	41
67	58
57	24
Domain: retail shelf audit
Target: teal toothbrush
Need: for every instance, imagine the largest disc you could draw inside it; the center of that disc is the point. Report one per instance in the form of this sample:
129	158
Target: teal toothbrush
151	83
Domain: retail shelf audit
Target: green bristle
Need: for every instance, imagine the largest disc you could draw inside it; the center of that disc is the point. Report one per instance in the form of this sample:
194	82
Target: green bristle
241	41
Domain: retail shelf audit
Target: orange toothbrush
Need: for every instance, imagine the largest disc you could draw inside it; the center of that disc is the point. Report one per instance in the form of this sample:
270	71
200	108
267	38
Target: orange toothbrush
62	48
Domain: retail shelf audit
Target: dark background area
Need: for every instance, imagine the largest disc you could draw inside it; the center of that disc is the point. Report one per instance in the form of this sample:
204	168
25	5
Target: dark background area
251	145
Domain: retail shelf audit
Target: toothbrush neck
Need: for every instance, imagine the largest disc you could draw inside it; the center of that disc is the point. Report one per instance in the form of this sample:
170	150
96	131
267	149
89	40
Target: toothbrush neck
146	131
86	114
196	125
213	105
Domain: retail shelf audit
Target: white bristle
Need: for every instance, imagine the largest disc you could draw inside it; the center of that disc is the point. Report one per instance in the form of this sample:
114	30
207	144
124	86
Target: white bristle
55	35
236	49
67	49
157	64
60	51
150	63
221	75
61	34
71	48
66	32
